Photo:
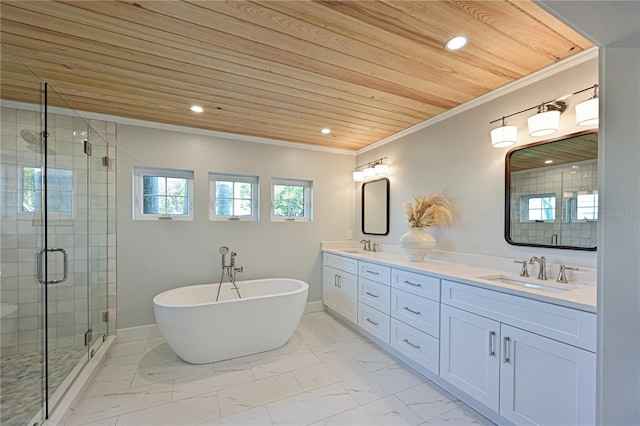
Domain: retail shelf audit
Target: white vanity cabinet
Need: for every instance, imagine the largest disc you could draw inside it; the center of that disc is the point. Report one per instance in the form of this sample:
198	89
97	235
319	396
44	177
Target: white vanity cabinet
340	285
530	361
374	299
415	317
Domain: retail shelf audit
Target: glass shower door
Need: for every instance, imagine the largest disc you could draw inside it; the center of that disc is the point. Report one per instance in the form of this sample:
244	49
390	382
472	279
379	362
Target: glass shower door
65	259
22	323
97	209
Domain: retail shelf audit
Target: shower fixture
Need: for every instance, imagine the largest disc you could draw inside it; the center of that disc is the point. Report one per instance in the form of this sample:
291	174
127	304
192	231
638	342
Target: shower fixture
35	140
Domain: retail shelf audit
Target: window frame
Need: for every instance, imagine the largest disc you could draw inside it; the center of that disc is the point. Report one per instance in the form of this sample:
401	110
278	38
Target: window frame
308	200
524	208
235	178
139	172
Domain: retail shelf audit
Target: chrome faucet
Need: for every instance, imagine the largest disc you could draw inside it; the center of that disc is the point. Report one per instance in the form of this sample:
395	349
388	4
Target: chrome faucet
366	245
232	267
523	272
562	275
542	272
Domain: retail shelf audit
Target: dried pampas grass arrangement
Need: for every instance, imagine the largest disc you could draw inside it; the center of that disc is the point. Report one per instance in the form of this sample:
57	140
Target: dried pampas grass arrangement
432	210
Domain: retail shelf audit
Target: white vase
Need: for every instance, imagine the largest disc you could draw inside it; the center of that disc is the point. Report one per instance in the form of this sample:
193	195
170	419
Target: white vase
417	243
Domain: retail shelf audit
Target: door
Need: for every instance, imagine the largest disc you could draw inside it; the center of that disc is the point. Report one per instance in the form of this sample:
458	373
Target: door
469	354
348	286
330	290
545	382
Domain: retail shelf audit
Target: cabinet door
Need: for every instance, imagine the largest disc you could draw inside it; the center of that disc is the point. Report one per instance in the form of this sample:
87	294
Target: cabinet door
348	285
544	382
330	290
470	354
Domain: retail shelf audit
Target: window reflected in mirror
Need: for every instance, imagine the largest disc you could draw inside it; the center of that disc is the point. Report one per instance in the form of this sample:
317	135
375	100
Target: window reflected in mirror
551	193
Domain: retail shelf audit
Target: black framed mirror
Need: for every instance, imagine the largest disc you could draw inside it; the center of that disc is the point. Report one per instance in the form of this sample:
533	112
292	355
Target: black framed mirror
551	193
375	207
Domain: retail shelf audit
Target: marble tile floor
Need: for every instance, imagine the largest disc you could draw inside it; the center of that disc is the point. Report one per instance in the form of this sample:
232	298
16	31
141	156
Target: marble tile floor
327	374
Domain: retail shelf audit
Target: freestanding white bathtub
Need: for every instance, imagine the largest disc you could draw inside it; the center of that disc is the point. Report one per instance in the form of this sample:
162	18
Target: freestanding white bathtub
201	330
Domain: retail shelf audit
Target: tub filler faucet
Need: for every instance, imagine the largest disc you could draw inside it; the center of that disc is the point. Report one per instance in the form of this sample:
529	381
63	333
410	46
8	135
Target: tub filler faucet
230	269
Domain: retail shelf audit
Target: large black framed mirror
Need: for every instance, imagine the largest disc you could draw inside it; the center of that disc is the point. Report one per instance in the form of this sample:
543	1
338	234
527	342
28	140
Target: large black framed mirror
375	207
551	193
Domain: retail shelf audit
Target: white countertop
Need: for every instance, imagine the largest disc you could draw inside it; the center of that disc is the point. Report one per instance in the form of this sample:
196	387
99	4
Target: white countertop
583	297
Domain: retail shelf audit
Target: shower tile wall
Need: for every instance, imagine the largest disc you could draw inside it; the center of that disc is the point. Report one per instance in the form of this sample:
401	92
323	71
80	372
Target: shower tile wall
546	181
22	329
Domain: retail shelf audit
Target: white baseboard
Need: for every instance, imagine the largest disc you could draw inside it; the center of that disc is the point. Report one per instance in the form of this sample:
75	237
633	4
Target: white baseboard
143	332
138	333
317	306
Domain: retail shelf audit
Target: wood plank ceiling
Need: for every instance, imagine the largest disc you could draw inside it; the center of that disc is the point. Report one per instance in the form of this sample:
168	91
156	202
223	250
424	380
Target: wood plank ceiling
279	69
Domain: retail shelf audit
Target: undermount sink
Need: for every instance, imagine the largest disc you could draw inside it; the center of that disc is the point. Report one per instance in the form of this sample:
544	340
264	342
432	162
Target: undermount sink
529	283
351	250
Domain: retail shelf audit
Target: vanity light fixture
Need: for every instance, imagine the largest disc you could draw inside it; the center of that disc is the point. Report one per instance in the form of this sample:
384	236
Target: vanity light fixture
457	42
197	108
587	113
376	168
358	176
369	172
546	121
504	135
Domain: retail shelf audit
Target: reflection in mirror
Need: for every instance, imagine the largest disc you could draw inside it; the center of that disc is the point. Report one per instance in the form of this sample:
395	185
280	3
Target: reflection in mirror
551	193
375	207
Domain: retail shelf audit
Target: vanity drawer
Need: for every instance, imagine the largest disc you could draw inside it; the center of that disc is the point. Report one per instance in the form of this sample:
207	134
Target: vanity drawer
374	321
423	314
375	272
342	263
374	294
571	326
415	344
422	285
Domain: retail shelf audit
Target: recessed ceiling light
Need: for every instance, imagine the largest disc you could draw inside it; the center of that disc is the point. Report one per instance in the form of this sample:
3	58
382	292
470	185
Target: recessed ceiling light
548	162
325	131
456	43
196	108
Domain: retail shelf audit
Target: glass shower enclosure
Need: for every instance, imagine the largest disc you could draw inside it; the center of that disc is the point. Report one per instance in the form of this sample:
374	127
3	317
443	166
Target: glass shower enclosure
53	242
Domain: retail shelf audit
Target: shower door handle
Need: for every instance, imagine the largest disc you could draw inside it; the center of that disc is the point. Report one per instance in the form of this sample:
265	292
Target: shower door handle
65	262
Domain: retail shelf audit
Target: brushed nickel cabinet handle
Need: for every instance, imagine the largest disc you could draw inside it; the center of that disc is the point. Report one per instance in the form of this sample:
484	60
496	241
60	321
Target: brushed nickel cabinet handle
413	345
505	350
492	335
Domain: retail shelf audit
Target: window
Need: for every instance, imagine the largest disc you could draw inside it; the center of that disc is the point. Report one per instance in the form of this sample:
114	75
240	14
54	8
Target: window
584	207
291	200
233	197
538	208
162	194
59	190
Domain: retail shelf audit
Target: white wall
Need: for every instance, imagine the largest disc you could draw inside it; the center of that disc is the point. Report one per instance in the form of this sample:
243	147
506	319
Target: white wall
619	259
455	156
154	256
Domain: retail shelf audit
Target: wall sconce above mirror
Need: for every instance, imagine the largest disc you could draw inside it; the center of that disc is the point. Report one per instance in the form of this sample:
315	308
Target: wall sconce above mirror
551	193
373	169
546	121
